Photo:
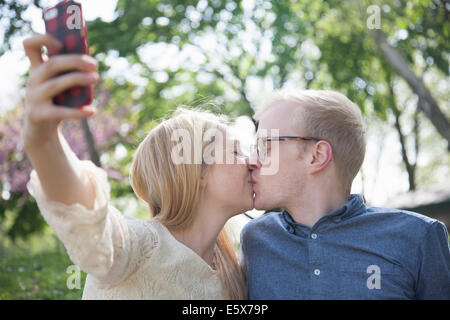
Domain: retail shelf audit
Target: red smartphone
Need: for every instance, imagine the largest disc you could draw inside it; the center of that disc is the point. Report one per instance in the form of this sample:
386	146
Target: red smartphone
65	22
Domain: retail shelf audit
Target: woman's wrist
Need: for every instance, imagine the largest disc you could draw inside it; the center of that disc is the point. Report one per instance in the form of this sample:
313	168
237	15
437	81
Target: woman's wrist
32	140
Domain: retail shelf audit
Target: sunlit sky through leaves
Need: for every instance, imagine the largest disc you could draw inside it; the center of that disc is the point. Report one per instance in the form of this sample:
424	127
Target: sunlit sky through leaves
382	181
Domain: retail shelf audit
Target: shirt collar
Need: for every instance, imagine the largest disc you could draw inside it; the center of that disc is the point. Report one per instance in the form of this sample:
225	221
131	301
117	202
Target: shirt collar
351	208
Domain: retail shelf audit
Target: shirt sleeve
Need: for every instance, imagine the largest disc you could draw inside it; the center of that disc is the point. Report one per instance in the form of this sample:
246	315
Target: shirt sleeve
101	241
434	274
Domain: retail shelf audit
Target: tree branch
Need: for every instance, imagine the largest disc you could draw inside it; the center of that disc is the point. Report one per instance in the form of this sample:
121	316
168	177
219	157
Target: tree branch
428	104
409	168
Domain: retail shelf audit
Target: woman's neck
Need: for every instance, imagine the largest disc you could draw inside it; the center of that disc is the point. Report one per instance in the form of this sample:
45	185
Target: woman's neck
202	235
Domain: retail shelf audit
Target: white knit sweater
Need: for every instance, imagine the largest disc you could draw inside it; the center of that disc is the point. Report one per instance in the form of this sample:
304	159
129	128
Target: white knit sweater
124	257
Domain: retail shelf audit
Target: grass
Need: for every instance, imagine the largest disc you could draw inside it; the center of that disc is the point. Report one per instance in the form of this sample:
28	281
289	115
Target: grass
41	276
36	268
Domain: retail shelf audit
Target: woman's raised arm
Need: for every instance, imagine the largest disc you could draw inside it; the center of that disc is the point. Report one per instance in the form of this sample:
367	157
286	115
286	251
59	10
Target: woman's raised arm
50	155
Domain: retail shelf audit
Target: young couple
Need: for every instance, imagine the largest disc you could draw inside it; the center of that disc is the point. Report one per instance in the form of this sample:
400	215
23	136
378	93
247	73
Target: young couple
325	244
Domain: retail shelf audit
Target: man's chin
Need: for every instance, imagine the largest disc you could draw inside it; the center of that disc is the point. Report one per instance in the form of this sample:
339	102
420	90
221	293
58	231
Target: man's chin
264	204
258	204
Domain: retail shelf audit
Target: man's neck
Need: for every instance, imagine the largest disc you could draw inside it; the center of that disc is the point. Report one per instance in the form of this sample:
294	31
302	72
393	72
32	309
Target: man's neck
309	208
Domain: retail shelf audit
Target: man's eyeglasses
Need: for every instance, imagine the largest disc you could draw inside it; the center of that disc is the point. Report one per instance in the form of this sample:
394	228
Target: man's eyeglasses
262	142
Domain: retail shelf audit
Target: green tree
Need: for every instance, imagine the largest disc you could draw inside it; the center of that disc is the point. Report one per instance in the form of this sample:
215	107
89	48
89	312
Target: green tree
228	45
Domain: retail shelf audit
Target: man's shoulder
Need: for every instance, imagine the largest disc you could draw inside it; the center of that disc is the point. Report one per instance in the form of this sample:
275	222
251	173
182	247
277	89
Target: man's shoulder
408	221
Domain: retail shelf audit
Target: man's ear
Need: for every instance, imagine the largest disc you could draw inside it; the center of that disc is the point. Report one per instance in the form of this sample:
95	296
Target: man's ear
322	154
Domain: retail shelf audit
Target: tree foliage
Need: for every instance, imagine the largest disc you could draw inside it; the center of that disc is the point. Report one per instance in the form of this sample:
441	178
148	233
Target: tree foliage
227	47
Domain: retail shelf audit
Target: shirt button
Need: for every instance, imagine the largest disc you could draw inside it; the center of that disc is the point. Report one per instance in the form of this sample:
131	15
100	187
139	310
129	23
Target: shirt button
316	272
314	236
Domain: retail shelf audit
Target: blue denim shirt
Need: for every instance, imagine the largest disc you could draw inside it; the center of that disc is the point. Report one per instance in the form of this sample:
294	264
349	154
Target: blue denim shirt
354	252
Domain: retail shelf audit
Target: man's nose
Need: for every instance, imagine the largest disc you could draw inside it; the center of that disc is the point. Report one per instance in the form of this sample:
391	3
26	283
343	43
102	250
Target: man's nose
253	162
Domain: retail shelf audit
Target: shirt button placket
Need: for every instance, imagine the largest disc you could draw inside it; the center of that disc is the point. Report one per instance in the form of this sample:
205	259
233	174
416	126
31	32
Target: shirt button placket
316	260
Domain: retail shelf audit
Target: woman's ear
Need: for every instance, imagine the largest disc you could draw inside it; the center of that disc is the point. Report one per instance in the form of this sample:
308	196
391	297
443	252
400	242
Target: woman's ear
202	182
203	179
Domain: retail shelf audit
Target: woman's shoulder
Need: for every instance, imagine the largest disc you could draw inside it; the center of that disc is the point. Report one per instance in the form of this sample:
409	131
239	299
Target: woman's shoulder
142	223
146	231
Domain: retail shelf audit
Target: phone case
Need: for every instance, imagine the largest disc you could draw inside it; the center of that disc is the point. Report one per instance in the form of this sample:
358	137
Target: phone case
66	23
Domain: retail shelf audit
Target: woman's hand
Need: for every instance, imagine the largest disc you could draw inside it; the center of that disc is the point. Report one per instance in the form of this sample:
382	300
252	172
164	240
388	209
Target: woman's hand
41	115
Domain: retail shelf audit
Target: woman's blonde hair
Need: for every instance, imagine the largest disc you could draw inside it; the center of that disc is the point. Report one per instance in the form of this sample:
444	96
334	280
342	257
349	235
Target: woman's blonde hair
172	191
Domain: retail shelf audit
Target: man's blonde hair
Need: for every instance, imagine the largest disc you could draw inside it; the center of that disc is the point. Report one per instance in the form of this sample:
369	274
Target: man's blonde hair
331	116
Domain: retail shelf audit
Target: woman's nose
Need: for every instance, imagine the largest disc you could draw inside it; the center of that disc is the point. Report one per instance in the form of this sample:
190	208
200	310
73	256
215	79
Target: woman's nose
252	161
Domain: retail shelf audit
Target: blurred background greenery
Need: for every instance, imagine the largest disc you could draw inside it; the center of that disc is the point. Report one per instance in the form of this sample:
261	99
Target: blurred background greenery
391	57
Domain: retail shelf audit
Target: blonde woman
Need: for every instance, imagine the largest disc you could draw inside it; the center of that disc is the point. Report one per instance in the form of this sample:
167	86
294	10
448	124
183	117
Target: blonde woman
182	251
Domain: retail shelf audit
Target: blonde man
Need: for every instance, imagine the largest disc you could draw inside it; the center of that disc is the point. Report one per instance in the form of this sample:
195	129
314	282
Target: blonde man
326	244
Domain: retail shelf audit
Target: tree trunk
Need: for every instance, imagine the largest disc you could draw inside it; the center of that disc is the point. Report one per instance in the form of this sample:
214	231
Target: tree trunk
410	168
93	153
427	103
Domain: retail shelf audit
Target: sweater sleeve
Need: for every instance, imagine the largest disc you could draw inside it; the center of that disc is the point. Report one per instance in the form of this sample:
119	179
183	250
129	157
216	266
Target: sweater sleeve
101	241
